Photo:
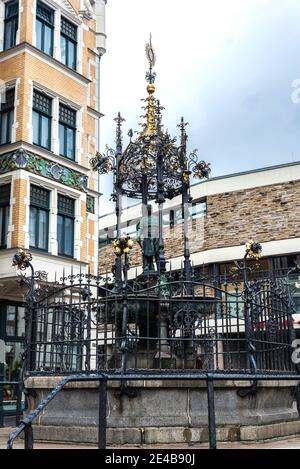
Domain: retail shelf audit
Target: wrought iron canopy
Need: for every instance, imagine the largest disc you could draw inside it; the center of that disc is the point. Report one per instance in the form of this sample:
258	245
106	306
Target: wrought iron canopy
154	161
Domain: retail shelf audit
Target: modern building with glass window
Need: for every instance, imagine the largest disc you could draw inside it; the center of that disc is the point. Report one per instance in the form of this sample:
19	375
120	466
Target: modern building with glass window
50	54
226	212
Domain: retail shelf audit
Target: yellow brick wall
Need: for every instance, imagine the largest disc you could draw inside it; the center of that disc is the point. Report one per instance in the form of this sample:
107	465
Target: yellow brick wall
28	69
26	21
19	191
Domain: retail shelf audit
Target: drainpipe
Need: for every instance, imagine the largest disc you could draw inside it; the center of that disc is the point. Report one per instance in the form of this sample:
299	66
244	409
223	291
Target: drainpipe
99	10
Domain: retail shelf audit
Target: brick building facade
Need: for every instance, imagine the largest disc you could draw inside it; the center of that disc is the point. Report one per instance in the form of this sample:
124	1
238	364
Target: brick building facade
50	54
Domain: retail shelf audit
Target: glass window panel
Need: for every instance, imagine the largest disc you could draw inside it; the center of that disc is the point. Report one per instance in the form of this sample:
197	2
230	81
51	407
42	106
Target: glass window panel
11	9
67	116
48	40
8	35
71	55
35	125
5	224
43	230
10	121
39	197
4	195
13	359
178	216
45	132
166	219
65	205
60	234
1	225
32	226
10	320
20	321
4	214
61	139
68	245
63	47
68	29
42	103
4	121
103	238
39	34
199	209
70	143
45	13
10	24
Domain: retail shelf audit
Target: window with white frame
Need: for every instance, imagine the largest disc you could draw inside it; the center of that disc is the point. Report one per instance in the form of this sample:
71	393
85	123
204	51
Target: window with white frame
65	225
42	119
68	43
67	131
44	28
11	24
7	117
39	218
4	213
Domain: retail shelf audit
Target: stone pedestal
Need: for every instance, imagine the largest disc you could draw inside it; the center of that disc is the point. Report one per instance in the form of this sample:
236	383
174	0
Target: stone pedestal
165	412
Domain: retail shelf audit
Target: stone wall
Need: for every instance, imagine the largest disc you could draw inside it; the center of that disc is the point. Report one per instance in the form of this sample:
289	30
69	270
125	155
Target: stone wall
265	214
164	411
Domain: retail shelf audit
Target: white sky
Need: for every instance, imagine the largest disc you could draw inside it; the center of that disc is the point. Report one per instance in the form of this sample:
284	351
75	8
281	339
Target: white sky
227	66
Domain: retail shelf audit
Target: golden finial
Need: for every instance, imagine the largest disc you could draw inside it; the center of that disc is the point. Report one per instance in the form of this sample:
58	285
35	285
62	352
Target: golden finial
150	54
151	124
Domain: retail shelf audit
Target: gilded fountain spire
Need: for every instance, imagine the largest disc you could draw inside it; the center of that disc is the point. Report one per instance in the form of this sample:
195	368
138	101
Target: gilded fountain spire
150	127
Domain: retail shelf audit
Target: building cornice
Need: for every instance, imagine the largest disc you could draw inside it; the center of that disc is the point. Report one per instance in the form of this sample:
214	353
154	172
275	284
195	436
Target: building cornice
44	153
36	164
29	48
91	111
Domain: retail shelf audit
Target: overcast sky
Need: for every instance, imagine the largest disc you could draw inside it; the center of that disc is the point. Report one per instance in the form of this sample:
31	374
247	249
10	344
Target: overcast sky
226	66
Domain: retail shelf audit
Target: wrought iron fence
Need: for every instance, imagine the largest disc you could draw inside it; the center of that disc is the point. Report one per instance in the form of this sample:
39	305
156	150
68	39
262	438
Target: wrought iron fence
86	324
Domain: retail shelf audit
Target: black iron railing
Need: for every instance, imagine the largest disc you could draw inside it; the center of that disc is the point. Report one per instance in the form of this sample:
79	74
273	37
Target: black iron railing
78	326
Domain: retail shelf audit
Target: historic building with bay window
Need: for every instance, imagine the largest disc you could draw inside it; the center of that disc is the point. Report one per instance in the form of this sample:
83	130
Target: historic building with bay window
50	54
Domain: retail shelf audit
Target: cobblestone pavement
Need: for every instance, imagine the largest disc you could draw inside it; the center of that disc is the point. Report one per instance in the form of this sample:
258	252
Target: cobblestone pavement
288	443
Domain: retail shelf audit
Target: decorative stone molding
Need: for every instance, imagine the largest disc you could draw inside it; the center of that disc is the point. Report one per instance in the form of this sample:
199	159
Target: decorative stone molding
22	159
86	11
